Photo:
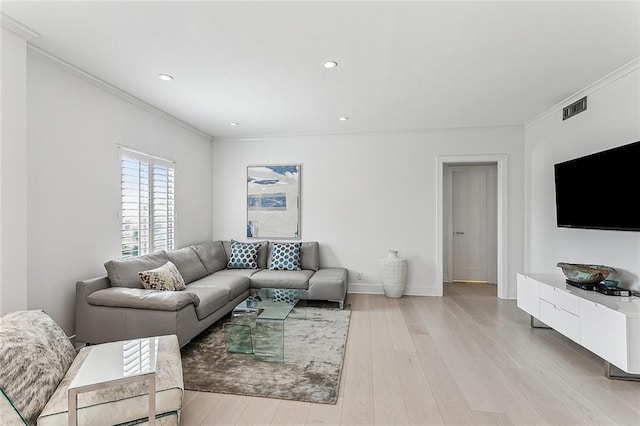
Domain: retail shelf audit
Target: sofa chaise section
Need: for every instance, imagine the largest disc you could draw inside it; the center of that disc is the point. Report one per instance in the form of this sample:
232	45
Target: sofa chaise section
107	314
117	307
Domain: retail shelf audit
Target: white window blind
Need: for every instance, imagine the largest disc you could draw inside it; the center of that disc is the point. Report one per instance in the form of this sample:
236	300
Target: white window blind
147	207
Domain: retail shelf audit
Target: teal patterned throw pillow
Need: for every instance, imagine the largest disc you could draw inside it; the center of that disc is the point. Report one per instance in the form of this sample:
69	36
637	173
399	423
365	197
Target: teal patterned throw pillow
243	255
285	256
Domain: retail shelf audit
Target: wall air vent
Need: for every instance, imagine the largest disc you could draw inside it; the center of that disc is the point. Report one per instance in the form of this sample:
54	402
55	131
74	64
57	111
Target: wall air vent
575	108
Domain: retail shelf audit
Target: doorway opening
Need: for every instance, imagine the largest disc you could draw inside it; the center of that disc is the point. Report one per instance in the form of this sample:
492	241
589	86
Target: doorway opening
495	269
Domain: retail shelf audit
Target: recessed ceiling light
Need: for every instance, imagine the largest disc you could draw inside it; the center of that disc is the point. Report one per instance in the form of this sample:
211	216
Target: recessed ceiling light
343	118
233	123
165	77
330	64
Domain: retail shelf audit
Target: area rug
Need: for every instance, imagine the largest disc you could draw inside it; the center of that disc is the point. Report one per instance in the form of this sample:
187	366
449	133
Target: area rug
314	341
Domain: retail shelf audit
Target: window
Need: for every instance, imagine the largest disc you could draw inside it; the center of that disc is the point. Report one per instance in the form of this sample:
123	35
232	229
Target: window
147	209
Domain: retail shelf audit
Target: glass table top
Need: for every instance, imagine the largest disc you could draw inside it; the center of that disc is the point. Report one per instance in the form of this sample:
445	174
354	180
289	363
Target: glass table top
270	303
117	360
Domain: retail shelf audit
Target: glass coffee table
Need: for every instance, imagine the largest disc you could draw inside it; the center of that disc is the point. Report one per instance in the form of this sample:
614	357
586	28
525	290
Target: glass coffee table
257	323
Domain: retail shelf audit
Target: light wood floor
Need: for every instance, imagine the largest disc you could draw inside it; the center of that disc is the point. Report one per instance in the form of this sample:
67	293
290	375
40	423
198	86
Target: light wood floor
467	358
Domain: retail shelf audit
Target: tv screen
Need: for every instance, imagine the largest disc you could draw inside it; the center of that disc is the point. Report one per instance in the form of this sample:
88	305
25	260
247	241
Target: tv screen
600	191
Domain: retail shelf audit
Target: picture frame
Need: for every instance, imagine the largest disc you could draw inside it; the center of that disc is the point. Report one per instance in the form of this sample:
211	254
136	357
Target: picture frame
273	201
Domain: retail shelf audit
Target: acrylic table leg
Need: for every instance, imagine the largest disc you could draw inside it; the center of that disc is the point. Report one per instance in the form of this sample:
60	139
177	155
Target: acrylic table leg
73	407
152	399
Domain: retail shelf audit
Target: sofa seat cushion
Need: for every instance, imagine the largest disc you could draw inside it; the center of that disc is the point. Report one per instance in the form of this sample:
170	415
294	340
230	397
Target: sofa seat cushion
235	285
122	297
239	272
35	356
211	299
122	403
124	273
188	263
213	255
281	279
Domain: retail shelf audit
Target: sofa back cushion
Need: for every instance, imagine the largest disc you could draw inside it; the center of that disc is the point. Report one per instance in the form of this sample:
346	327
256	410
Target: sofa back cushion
310	255
35	356
124	273
188	263
213	255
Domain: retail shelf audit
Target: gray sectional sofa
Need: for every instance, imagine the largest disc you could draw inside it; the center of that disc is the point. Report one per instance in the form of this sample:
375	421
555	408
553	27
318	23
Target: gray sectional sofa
117	306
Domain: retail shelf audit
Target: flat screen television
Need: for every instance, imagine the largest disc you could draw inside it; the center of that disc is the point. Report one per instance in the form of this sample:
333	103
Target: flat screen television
600	191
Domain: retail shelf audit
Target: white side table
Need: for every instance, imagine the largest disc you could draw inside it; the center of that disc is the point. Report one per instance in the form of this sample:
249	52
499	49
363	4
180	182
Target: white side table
117	363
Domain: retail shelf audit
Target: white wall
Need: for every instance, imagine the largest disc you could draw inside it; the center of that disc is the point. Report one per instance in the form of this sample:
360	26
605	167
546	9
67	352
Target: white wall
363	194
13	173
612	118
74	127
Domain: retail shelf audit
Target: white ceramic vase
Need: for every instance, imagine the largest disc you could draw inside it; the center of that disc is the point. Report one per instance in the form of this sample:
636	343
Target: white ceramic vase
394	274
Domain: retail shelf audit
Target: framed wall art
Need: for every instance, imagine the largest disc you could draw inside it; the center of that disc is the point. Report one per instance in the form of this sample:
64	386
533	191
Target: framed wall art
273	201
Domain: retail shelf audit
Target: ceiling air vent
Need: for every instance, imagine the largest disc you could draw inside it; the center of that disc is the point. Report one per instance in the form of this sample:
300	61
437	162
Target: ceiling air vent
575	108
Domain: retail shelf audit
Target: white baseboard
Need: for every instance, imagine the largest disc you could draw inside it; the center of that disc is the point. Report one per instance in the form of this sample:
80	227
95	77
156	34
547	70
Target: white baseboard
362	288
370	288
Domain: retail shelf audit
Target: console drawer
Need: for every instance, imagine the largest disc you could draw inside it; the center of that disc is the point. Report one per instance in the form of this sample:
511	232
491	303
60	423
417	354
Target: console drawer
559	319
561	299
604	332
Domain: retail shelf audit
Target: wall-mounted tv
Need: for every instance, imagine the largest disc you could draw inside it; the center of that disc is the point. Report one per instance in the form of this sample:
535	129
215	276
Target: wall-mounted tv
600	191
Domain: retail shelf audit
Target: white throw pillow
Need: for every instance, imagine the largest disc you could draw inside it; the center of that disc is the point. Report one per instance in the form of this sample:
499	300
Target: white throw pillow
165	277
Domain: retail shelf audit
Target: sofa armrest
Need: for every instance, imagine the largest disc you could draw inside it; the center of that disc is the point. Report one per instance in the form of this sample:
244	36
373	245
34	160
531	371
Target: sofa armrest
86	287
124	297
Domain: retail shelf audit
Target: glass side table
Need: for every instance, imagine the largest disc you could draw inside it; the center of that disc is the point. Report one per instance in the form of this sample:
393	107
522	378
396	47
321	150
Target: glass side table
116	363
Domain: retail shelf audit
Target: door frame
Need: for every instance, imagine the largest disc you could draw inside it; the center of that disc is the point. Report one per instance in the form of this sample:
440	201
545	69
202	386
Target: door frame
502	178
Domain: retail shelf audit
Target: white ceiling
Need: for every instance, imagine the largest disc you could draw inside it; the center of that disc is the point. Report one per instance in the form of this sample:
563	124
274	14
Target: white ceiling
402	65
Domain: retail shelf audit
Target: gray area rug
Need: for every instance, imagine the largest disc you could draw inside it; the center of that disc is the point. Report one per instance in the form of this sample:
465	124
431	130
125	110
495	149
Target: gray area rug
315	340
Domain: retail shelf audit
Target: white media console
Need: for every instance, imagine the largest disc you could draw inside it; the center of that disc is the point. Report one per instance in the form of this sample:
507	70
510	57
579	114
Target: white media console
608	326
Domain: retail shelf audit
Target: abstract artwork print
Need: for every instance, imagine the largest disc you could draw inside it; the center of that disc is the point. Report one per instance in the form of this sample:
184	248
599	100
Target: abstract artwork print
273	201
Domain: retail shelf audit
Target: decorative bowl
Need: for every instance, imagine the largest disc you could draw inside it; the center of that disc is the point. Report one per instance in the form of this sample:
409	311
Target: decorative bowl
585	274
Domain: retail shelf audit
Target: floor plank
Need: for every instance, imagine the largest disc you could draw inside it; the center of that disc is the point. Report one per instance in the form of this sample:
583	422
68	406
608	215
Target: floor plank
388	403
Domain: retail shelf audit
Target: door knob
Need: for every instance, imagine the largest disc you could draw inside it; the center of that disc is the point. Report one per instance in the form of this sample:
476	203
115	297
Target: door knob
458	233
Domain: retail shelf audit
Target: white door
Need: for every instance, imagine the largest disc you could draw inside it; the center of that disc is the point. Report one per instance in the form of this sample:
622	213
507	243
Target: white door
473	223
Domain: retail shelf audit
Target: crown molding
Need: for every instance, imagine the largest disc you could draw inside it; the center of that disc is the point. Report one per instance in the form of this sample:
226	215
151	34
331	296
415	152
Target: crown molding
67	66
18	28
593	87
417	131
